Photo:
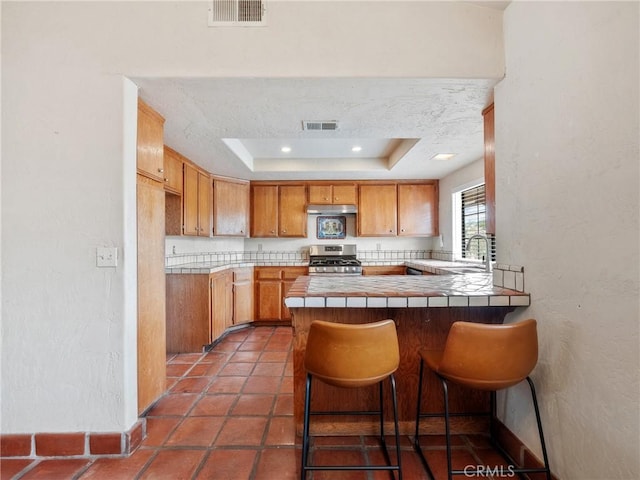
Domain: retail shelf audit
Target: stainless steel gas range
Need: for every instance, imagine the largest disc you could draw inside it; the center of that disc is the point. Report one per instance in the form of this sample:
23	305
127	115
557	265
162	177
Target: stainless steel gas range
334	260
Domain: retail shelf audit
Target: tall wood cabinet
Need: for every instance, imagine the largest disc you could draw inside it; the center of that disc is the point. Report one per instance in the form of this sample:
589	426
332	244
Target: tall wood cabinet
490	168
150	198
196	202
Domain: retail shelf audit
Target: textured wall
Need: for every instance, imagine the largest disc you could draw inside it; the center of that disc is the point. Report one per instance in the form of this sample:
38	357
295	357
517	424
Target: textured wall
68	328
567	208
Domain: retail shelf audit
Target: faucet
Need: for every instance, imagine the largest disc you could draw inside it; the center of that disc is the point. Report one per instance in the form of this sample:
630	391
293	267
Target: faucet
487	262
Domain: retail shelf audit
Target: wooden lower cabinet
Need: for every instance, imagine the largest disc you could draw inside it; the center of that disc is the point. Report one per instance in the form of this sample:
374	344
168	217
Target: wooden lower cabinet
271	286
242	295
384	270
199	309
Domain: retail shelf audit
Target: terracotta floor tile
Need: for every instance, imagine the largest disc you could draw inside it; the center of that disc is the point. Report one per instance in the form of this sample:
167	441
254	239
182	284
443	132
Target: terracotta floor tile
242	431
173	465
191	385
177	369
284	404
227	385
236	369
212	405
118	468
338	457
437	460
195	432
200	370
280	357
158	430
262	385
253	346
216	356
9	467
56	469
229	465
177	404
189	358
282	431
227	346
269	369
280	464
251	357
258	404
287	385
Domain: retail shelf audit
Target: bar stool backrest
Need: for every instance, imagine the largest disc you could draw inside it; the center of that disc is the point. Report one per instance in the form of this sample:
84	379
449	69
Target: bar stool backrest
489	357
352	356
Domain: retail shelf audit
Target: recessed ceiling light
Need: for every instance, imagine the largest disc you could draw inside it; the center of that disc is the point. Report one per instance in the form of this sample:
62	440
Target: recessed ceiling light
356	148
285	149
443	156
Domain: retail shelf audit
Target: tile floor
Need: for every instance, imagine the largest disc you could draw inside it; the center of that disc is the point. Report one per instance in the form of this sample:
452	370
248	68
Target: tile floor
228	414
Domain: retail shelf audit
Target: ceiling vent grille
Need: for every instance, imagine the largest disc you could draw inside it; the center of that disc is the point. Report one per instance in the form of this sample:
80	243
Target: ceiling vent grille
248	13
316	125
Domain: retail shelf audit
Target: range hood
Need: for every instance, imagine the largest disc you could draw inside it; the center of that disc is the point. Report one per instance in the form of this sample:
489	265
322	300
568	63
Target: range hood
331	209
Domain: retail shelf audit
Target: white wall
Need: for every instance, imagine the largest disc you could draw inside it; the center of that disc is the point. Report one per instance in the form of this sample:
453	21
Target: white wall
450	184
66	325
567	208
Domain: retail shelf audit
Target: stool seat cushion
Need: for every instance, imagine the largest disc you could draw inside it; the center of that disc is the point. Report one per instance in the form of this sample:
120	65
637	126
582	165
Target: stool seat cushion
486	357
351	356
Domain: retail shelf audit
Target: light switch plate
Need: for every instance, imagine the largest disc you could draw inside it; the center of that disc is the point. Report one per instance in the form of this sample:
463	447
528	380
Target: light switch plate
107	256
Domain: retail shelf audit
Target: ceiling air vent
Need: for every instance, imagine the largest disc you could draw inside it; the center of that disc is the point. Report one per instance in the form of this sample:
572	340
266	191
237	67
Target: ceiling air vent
319	125
247	13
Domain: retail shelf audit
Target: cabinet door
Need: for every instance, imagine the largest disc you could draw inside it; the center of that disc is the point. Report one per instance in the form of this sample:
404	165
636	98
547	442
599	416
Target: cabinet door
377	211
151	292
320	194
268	293
150	144
230	208
292	211
172	171
190	201
384	270
188	312
264	211
242	295
205	192
345	194
417	210
490	169
220	303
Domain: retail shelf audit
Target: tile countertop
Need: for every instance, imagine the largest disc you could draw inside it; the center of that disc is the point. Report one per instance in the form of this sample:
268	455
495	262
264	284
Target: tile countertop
400	291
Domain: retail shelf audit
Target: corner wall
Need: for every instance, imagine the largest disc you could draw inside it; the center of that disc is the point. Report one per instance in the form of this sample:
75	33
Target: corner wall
567	176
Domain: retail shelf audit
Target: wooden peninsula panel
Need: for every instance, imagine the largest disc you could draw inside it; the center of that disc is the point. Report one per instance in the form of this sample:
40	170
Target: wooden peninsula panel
417	328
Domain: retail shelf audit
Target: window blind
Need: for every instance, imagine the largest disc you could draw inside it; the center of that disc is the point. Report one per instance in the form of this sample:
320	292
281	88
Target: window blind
473	217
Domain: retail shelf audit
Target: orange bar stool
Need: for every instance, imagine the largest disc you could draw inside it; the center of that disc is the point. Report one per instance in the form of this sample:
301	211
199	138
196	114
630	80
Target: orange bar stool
484	357
351	356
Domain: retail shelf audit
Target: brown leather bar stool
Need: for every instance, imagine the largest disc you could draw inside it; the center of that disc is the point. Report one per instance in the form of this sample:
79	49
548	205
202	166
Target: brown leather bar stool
484	357
351	356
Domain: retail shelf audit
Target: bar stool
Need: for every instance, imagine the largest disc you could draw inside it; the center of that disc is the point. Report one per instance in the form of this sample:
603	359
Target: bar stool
484	357
351	356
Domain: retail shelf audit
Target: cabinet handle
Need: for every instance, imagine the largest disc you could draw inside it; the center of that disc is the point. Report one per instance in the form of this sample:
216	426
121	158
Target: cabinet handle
391	231
161	170
402	229
166	180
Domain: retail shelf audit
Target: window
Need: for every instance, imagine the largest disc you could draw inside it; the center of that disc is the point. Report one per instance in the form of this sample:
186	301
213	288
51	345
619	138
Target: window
469	207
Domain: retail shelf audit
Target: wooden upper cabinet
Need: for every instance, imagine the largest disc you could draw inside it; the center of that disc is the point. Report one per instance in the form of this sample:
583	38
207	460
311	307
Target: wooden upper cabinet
418	210
490	168
150	151
172	170
264	210
196	201
333	194
292	214
377	210
230	208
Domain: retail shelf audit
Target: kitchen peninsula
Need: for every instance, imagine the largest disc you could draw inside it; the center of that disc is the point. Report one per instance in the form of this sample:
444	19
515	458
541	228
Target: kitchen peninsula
423	308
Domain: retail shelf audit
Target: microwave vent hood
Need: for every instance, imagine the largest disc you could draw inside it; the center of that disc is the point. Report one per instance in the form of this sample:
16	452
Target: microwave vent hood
331	209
